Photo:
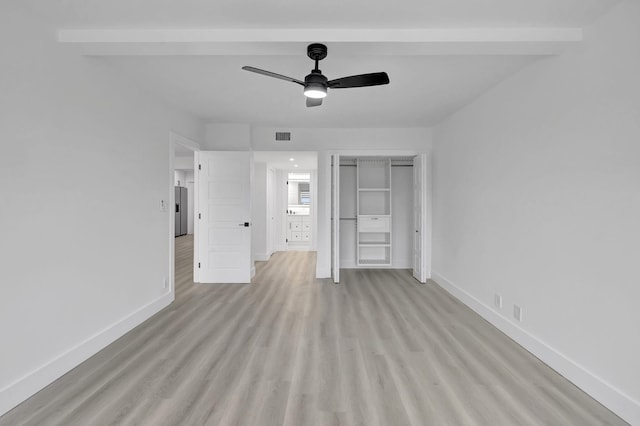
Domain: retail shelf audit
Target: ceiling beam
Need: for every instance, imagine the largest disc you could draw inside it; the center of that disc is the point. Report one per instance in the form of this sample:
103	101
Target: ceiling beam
443	41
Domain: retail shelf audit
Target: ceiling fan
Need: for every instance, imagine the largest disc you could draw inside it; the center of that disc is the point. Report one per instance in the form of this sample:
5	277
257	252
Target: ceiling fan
316	85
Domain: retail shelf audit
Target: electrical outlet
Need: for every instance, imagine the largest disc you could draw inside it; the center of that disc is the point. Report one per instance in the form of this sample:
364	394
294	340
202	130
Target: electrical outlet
497	300
164	282
517	312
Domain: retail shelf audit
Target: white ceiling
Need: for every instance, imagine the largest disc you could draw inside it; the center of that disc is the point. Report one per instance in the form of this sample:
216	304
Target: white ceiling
305	161
314	14
423	89
428	81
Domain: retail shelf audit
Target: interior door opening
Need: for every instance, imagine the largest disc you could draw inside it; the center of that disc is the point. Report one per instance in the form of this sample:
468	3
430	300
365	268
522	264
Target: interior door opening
284	202
299	214
181	208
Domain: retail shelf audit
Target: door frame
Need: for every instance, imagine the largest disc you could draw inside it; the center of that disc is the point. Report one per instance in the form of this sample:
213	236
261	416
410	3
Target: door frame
335	217
174	140
425	219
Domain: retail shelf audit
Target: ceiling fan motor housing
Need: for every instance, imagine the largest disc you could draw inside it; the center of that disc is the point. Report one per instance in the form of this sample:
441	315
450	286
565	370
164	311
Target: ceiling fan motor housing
315	79
315	82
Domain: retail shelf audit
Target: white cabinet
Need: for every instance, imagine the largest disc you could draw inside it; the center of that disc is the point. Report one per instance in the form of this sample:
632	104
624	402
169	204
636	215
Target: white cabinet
299	228
306	228
373	204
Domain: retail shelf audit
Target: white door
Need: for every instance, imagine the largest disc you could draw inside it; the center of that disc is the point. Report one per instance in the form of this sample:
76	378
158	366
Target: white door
335	217
419	218
224	202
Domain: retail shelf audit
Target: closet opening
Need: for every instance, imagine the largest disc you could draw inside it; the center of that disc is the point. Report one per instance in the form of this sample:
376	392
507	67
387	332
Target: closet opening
381	204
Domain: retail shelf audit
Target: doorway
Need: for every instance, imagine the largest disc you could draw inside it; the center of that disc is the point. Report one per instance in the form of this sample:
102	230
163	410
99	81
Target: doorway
181	205
299	227
276	209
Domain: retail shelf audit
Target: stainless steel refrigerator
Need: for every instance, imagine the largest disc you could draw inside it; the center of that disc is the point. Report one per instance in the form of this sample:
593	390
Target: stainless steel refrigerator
181	211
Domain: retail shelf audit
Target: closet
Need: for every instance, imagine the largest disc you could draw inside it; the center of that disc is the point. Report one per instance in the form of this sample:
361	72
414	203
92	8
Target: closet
381	201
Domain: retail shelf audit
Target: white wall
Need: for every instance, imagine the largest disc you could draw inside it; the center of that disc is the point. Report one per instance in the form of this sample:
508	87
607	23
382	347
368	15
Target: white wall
227	137
402	228
280	194
259	213
537	197
183	163
348	211
78	144
336	139
272	211
190	184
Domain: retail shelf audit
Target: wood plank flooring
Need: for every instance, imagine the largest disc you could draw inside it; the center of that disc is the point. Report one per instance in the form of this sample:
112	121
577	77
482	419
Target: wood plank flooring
288	349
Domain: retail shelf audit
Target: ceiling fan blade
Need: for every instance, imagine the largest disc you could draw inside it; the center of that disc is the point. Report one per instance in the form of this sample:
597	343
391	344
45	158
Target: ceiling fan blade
311	102
362	80
273	74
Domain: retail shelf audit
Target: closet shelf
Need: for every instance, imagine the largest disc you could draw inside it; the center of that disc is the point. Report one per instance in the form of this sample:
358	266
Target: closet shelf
363	244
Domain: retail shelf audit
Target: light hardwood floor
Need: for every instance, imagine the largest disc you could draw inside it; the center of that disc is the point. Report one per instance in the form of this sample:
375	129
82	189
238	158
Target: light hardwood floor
377	349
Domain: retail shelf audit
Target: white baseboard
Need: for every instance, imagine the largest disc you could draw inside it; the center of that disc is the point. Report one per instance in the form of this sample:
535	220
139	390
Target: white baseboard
402	263
348	264
262	257
323	272
605	393
18	391
299	247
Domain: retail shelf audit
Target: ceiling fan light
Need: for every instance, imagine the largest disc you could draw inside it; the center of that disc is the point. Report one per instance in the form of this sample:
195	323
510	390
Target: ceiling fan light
315	91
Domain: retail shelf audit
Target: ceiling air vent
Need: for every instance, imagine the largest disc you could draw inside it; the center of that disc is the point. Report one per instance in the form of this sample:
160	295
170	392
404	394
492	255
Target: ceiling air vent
283	136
